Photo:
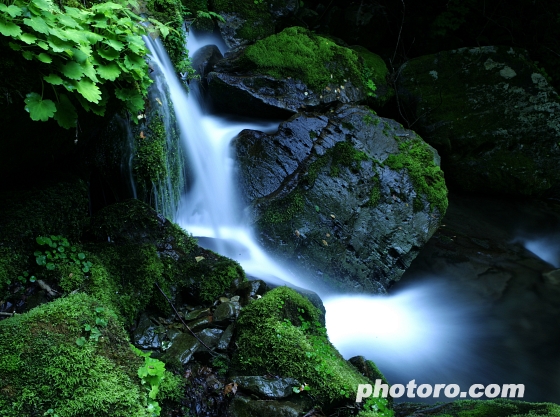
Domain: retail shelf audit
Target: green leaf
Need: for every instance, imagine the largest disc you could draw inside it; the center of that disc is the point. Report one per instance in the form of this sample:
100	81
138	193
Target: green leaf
53	79
32	278
115	44
28	38
27	55
58	45
136	44
80	55
43	57
89	71
50	266
38	108
38	24
109	54
81	256
133	99
68	21
44	5
109	72
132	61
89	90
93	37
12	10
106	7
14	46
81	341
43	45
9	28
87	327
65	115
72	70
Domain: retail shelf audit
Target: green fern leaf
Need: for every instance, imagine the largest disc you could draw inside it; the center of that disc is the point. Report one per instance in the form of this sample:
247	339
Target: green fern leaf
38	108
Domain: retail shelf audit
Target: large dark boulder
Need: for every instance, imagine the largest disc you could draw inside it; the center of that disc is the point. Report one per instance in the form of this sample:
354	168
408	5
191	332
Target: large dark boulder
348	197
491	114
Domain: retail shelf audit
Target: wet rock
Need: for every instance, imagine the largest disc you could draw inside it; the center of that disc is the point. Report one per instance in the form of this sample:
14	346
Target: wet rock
210	337
205	58
271	78
197	314
250	290
225	339
246	407
226	312
147	334
347	197
201	323
491	114
552	277
182	349
272	388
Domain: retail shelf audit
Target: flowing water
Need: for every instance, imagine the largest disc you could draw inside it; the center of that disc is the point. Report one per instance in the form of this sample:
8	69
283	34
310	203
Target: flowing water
426	330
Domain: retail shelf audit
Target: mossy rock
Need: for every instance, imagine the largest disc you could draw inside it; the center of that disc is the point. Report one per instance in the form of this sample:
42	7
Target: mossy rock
279	334
347	197
482	408
492	115
296	69
43	367
247	21
375	70
175	260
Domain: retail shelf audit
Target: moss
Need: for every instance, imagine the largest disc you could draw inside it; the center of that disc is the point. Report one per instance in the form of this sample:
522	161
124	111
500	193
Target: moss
42	367
258	21
12	264
149	163
280	334
375	195
284	209
298	53
344	154
426	176
498	408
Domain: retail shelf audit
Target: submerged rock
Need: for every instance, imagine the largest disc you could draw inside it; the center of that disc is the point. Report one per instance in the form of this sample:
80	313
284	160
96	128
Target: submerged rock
492	115
348	197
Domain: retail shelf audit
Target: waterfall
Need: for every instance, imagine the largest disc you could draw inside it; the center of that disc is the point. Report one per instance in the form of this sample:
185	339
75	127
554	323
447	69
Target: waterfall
425	331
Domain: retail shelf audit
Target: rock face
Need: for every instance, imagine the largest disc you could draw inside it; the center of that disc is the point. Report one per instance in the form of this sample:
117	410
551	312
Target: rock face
296	70
492	116
347	197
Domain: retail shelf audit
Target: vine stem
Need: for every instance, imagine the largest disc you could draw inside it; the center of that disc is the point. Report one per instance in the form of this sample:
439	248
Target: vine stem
182	321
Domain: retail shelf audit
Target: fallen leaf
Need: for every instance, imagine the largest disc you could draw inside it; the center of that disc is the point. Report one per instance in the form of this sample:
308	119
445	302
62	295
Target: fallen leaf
325	242
297	233
198	258
159	101
328	235
142	136
230	388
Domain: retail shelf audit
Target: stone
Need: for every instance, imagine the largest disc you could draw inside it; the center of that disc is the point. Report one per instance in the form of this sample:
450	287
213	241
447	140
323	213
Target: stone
182	348
272	388
210	337
226	312
147	335
225	339
491	114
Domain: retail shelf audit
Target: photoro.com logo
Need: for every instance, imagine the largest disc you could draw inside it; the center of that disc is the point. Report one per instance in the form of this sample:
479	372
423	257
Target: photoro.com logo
412	390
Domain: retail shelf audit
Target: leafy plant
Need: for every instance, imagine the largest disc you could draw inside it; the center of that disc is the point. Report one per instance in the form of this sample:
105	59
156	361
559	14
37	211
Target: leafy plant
93	331
151	373
84	55
61	252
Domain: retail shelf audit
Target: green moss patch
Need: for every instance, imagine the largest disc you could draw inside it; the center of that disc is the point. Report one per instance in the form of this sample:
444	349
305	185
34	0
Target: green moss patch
426	176
296	52
43	366
280	334
497	408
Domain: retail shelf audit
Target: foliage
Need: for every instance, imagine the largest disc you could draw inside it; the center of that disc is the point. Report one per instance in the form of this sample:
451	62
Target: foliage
84	55
62	252
42	367
280	334
427	177
499	407
296	52
152	373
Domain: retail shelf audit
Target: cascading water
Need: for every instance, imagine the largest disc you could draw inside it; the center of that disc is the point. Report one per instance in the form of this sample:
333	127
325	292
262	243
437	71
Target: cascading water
426	331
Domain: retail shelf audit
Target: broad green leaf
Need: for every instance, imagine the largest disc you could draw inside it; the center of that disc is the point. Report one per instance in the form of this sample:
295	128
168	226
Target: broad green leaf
106	7
109	72
115	44
27	55
53	79
72	70
77	14
46	5
89	71
12	10
133	61
100	21
37	24
136	44
65	115
9	28
61	34
43	57
57	45
43	45
109	54
89	90
68	21
14	46
38	108
93	38
133	100
28	38
85	48
78	36
79	55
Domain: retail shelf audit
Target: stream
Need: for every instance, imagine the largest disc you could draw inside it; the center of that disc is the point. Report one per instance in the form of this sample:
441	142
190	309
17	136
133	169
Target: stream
431	328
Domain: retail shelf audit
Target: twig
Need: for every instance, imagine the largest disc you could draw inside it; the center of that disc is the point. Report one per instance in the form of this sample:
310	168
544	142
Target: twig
48	289
182	321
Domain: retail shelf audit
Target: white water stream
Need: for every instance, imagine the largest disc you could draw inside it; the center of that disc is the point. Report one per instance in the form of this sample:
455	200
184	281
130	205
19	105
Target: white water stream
425	331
